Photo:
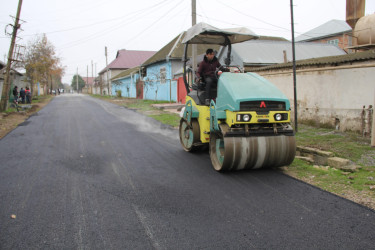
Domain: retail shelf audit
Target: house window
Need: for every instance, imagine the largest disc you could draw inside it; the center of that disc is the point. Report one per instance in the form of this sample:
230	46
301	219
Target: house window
163	74
334	42
143	72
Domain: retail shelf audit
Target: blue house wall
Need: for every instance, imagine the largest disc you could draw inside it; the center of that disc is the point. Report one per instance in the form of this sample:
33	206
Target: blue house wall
127	85
154	89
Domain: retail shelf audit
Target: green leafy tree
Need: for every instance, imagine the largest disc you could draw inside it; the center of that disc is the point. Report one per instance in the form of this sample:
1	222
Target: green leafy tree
81	83
41	63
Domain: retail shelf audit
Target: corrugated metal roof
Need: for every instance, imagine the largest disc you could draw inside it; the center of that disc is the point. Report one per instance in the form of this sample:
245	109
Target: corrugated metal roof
126	59
263	52
329	28
329	60
272	38
126	73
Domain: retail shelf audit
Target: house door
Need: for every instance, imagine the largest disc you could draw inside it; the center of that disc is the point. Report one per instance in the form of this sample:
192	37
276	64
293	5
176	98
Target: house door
181	90
139	89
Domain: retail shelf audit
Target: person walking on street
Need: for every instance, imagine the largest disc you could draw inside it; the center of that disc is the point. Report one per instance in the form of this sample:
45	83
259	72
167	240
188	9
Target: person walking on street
15	94
22	95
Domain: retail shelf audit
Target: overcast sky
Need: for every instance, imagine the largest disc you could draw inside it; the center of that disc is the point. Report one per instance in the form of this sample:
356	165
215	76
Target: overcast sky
80	30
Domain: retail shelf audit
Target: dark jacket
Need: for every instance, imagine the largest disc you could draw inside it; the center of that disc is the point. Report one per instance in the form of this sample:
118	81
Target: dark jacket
15	91
208	68
22	93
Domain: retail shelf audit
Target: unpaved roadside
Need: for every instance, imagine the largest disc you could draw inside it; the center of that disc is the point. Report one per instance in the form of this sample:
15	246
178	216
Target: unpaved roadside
9	121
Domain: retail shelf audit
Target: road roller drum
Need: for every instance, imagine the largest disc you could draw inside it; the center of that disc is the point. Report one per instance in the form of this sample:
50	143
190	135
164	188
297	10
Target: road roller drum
237	153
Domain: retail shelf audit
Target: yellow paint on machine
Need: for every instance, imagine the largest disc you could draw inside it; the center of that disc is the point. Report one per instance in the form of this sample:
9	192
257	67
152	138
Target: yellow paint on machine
203	120
232	117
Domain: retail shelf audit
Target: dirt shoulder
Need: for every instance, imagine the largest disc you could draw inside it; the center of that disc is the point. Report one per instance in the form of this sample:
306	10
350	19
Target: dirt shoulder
11	119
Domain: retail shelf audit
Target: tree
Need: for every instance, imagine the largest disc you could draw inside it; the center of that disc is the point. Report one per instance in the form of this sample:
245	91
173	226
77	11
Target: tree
41	63
81	83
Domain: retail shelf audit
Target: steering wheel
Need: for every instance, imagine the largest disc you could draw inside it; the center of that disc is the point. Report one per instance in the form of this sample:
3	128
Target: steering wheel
220	70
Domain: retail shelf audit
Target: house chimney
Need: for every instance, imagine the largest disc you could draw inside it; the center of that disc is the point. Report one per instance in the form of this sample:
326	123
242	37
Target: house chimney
355	9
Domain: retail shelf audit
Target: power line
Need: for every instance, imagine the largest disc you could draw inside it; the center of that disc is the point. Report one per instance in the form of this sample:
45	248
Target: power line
155	22
133	17
80	6
236	24
103	21
258	19
163	15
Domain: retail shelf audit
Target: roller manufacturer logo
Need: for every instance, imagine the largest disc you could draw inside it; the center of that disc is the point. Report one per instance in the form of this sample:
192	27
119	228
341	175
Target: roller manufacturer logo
262	104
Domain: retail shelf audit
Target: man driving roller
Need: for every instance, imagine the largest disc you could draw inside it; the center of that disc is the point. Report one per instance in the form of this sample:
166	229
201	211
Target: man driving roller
206	70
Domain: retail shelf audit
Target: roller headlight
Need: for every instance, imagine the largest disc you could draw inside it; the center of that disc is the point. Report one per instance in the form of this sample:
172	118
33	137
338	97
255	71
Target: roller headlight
246	118
243	117
278	117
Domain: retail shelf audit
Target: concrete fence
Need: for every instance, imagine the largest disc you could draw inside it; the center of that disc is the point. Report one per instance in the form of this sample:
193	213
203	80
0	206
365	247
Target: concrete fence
342	97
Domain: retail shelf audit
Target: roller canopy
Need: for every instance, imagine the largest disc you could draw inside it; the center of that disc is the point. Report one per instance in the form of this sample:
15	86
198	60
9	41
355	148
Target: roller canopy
203	33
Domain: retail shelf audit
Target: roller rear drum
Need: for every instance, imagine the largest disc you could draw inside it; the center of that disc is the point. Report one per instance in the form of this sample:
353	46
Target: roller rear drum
189	135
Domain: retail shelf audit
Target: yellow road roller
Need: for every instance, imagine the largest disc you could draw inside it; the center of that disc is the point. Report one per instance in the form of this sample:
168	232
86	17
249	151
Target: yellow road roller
247	125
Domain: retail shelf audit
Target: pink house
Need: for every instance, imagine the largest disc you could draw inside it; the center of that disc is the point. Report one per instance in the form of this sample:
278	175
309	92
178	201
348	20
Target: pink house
125	59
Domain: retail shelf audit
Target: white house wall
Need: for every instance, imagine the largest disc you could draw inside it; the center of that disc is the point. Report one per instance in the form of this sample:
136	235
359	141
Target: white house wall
331	96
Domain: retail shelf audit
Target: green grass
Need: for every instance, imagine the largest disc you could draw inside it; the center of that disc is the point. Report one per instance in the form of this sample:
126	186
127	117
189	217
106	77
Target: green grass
102	96
346	145
333	180
10	110
39	99
162	116
167	118
143	105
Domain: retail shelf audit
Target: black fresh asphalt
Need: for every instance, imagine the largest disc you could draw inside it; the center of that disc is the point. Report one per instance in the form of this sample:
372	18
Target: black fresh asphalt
87	174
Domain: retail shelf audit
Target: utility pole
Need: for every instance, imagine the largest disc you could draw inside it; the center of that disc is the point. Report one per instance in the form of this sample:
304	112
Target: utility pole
50	77
92	74
77	81
373	125
294	69
106	63
6	86
194	46
100	81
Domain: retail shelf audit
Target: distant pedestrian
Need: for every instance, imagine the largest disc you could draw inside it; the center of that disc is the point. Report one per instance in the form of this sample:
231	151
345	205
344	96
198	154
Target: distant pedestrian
22	95
15	94
28	95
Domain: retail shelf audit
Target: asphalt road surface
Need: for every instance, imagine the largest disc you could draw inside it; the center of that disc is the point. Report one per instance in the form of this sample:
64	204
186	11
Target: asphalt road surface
87	174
